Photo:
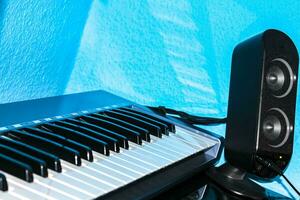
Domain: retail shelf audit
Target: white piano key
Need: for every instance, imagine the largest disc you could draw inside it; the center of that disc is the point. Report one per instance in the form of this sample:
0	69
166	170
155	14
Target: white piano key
183	140
119	173
174	142
62	183
175	147
115	179
199	137
139	159
19	191
135	164
116	163
62	187
16	195
160	151
179	144
78	183
174	151
11	194
108	179
55	189
31	190
87	177
150	158
194	138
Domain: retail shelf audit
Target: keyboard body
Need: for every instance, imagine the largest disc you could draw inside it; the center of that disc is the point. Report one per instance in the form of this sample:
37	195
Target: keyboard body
137	167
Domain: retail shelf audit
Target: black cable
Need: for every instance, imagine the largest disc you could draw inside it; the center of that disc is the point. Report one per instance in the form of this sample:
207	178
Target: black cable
271	165
192	119
292	186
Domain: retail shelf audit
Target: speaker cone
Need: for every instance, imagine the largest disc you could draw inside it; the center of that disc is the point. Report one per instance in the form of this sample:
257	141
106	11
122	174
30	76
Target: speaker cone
276	127
272	127
275	78
279	77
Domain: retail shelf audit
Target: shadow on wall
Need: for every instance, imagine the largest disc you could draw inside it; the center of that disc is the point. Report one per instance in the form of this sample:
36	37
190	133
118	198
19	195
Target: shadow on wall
38	44
179	30
121	51
155	50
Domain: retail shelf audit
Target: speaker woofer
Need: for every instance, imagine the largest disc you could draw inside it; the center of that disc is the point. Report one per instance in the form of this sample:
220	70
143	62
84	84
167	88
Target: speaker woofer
280	77
272	127
275	78
276	127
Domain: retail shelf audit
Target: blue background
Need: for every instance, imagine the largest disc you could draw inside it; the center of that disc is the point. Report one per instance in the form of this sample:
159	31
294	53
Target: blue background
175	53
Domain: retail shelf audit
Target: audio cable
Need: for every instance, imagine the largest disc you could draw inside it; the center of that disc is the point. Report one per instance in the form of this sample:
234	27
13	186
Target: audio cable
198	120
191	119
271	165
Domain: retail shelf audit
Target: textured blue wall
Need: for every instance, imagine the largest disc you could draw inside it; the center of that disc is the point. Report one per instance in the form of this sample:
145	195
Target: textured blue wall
174	53
39	41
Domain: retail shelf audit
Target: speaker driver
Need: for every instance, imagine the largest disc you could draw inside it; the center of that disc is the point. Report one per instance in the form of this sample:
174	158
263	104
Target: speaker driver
276	127
280	77
275	78
272	127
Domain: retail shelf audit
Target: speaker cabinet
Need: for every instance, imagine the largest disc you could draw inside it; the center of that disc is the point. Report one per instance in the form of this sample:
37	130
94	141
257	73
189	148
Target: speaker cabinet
262	98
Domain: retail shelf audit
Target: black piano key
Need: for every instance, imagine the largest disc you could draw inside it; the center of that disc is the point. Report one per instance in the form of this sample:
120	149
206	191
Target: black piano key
51	160
65	153
153	129
96	144
16	168
122	140
78	126
132	136
163	127
84	151
3	183
38	166
117	125
171	126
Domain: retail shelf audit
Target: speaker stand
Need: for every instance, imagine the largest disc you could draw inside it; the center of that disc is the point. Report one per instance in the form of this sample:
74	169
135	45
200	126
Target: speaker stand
235	180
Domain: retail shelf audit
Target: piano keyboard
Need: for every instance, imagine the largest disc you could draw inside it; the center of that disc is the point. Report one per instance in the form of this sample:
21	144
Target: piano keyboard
88	155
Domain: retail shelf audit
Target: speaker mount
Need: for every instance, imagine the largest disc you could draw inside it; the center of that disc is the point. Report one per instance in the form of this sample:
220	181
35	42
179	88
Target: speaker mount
236	181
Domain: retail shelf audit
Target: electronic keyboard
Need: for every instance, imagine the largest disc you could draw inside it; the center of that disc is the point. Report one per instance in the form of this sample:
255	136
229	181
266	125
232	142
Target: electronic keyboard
96	145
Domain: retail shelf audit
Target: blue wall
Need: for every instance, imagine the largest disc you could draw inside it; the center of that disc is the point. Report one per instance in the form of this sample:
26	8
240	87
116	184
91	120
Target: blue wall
173	53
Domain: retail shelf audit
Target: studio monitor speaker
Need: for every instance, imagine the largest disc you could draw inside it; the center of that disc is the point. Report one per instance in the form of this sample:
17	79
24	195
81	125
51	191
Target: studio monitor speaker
262	98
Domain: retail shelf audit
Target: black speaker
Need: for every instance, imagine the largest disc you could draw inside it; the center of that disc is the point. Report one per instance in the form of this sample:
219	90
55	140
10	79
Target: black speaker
261	106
